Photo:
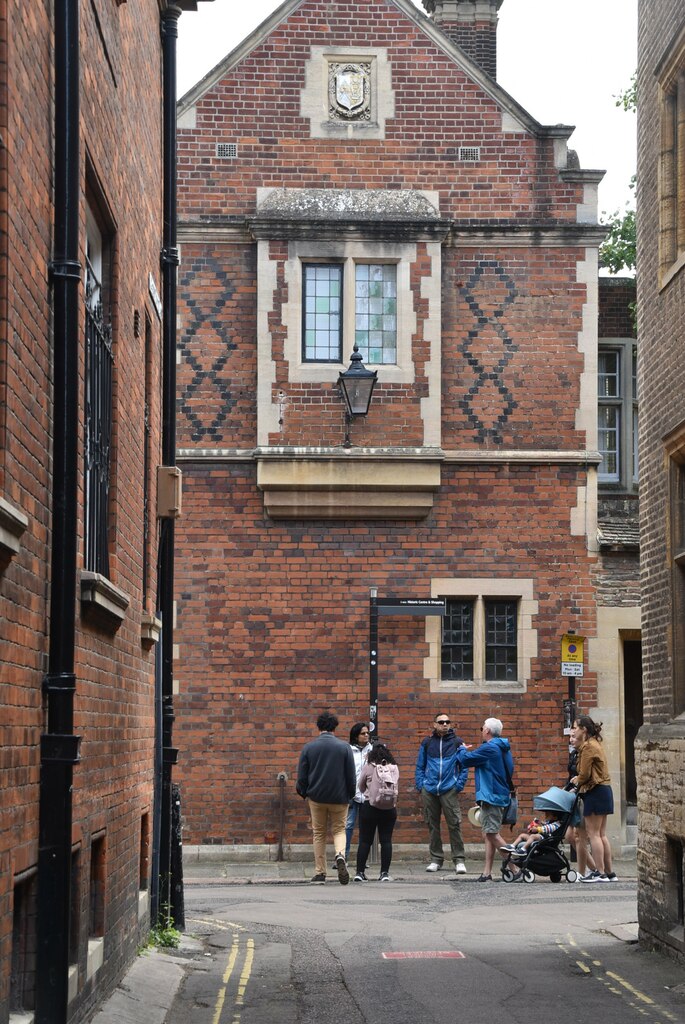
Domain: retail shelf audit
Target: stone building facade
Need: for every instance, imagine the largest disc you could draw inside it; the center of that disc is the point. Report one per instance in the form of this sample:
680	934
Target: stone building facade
661	306
353	174
81	230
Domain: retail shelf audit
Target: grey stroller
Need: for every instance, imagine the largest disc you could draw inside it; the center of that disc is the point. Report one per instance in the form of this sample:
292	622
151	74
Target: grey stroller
545	857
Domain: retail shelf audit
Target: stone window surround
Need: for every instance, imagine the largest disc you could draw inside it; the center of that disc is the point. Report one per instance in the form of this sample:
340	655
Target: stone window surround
675	449
314	96
349	253
478	589
403	372
671	79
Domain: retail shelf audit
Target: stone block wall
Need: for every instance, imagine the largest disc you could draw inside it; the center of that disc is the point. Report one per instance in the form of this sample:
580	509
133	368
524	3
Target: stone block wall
661	305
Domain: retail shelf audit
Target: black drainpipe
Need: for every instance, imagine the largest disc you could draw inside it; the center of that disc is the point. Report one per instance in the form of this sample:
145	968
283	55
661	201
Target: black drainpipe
59	748
169	263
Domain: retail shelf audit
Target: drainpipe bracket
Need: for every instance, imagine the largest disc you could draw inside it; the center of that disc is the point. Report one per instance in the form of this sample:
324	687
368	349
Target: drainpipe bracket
169	256
170	755
65	269
56	749
59	682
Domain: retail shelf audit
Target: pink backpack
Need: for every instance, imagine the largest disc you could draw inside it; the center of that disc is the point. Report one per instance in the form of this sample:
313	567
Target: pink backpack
383	786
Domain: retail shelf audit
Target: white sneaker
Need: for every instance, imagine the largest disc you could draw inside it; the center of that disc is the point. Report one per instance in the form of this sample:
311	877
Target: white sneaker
433	866
460	868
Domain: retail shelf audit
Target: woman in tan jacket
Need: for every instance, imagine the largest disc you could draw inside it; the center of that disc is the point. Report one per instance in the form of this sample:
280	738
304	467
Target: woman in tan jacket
594	785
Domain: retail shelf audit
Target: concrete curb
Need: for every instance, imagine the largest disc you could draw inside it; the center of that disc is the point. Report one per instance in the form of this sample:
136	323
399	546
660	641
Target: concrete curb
148	989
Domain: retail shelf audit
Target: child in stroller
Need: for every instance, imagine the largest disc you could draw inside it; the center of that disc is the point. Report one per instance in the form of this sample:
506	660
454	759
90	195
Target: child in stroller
534	833
539	852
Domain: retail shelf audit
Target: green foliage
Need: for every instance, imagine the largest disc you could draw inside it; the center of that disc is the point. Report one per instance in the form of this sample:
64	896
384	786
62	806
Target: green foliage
618	250
163	935
628	98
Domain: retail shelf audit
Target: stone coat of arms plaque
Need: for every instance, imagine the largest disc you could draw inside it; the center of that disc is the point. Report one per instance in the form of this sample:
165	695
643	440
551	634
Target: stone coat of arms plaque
349	92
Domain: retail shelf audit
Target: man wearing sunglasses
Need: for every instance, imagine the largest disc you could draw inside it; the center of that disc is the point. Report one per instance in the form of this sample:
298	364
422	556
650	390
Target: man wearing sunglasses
439	779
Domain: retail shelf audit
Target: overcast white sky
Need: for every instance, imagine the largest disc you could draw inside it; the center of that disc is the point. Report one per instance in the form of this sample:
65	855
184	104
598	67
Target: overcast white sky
563	61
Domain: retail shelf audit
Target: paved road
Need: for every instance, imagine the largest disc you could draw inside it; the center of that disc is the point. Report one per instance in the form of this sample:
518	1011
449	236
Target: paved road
300	954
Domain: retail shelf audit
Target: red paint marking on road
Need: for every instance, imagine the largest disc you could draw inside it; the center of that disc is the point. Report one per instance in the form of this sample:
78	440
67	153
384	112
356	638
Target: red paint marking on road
446	954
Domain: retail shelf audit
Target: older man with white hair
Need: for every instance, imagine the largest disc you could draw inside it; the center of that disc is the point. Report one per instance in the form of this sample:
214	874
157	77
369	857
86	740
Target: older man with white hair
494	767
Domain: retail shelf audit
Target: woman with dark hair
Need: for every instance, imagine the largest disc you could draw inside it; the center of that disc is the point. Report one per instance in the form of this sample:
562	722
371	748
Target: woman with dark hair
373	816
359	741
594	785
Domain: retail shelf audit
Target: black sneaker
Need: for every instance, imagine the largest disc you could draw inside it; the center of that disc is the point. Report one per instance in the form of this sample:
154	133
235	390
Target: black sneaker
612	876
360	877
341	867
317	880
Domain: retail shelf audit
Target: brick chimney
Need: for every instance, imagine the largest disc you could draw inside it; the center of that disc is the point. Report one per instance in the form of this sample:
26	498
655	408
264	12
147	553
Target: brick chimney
472	25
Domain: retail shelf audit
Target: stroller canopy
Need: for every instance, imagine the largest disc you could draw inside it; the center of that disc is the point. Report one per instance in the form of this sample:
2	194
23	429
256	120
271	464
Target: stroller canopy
554	799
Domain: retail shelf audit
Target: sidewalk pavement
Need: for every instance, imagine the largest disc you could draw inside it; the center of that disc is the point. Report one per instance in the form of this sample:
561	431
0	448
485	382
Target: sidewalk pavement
225	872
147	991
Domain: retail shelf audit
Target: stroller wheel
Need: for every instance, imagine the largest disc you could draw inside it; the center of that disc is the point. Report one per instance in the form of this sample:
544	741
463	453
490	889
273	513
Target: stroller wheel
555	876
571	876
528	875
508	875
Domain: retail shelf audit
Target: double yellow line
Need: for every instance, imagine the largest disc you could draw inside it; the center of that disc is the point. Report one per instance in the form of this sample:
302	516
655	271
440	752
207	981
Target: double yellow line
617	985
239	999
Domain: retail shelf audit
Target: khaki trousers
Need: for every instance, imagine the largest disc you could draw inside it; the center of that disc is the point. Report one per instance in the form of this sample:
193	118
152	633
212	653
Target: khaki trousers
322	816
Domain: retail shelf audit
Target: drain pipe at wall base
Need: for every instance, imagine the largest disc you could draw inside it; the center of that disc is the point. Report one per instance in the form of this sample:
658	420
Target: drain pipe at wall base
59	748
282	778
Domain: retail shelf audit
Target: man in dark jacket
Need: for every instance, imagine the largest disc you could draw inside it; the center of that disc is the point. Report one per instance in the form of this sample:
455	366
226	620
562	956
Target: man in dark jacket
439	778
494	768
326	777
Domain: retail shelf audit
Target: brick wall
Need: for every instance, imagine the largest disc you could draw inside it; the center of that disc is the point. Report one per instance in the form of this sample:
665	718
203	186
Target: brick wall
617	297
662	411
273	616
273	626
120	165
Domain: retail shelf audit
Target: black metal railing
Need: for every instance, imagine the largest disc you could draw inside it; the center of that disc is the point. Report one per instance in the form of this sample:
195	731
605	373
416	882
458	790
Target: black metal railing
99	366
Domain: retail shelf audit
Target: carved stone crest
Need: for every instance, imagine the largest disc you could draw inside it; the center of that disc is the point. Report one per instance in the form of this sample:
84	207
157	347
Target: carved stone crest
349	92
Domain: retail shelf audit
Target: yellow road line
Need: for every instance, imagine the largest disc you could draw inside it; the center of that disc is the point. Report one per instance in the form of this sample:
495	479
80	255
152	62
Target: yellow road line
233	956
638	995
584	968
244	978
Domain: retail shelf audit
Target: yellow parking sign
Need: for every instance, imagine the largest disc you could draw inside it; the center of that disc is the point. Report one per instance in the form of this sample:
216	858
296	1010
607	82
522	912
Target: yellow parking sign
572	654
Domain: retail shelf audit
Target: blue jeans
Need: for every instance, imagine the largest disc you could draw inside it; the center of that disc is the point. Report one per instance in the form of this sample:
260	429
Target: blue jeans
352	815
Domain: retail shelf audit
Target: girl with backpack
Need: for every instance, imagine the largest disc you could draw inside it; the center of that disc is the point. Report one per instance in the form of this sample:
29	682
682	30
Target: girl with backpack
379	780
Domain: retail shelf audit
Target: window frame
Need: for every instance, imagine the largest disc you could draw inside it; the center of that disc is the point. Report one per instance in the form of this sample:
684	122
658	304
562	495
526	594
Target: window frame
626	403
677	549
671	176
98	413
481	592
349	310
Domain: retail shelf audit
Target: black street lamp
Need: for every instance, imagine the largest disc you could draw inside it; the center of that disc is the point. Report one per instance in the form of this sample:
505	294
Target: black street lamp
356	384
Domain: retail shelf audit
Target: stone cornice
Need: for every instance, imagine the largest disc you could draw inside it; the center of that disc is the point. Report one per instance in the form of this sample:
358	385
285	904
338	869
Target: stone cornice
455	233
465	456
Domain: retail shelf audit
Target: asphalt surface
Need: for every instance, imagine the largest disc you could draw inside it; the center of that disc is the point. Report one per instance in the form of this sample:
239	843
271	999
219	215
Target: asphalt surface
260	951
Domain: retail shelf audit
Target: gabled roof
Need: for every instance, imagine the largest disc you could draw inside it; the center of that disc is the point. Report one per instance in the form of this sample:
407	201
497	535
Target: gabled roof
471	69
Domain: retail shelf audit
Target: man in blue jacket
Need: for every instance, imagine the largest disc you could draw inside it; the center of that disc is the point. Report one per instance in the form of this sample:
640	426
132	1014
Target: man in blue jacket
439	778
326	778
494	768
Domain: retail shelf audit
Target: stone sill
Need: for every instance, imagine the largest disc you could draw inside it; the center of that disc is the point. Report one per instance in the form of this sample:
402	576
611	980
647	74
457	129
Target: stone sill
21	1018
143	903
102	602
348	487
150	630
96	950
12	525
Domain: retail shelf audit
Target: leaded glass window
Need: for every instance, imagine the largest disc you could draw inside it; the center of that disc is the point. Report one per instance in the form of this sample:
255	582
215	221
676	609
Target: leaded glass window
501	650
457	640
322	312
376	311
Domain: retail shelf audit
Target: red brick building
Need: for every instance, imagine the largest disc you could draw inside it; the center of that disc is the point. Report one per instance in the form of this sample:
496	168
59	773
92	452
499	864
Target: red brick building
353	174
661	307
82	323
